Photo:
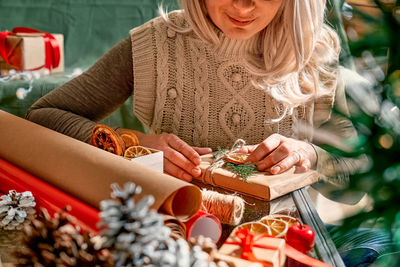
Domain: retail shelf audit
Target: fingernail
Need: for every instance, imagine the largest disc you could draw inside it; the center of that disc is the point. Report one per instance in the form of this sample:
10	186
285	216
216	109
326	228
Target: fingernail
196	172
261	166
275	169
187	177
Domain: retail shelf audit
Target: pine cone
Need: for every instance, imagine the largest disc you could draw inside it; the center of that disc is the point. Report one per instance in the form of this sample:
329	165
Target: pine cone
57	242
16	209
136	236
206	245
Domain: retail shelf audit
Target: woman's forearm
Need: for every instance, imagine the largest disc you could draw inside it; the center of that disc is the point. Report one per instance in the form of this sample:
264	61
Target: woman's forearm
76	106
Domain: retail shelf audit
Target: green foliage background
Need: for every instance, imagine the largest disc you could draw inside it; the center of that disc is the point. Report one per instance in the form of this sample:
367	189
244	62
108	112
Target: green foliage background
378	129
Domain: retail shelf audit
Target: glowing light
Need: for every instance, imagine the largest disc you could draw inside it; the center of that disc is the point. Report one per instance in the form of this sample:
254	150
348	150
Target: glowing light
386	141
21	93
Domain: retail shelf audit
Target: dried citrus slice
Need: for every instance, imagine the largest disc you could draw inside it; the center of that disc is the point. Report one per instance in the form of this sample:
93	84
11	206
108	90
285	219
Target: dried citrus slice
255	228
237	158
107	139
278	223
136	151
129	138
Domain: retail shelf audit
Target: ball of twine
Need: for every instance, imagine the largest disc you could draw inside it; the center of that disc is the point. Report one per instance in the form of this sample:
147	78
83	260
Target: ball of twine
227	208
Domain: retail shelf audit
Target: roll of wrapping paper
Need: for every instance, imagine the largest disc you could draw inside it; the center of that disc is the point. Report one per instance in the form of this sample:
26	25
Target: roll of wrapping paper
47	196
178	228
86	172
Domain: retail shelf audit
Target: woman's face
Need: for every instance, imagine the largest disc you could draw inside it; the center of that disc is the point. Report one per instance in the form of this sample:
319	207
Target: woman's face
241	19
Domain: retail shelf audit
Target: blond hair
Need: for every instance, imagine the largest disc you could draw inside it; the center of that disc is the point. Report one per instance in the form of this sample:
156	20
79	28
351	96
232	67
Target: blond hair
300	51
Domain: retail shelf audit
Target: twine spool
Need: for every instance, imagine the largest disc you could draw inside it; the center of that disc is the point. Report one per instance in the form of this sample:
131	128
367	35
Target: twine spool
227	208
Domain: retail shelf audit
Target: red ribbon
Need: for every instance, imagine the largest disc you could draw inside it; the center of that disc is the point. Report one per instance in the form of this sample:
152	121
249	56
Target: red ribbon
248	241
52	48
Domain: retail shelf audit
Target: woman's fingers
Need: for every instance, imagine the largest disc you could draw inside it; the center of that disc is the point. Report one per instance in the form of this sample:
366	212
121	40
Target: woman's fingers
278	153
173	170
247	149
286	163
183	148
303	166
180	159
202	150
265	148
182	162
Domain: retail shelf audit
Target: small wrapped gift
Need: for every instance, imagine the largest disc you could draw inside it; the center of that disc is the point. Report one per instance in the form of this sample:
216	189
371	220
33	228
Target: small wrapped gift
262	185
29	49
264	249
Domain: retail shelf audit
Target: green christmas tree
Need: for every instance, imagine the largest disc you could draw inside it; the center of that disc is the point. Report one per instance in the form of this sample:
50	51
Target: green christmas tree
375	113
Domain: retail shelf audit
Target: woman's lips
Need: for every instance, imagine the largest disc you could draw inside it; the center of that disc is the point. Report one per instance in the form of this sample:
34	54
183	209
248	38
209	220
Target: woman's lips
240	22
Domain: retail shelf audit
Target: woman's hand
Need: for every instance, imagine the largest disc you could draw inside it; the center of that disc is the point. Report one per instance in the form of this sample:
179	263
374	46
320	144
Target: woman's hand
180	159
278	153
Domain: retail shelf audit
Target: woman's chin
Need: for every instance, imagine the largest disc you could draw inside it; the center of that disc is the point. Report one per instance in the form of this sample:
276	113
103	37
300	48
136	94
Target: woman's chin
239	34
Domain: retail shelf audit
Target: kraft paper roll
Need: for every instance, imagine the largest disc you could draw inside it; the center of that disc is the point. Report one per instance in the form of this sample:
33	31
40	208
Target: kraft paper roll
85	171
47	196
178	228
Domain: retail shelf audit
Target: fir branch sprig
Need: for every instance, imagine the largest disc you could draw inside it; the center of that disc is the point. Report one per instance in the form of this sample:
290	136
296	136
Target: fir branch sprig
219	153
243	170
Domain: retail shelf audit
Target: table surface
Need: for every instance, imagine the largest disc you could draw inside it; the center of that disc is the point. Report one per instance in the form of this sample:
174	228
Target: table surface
325	249
297	204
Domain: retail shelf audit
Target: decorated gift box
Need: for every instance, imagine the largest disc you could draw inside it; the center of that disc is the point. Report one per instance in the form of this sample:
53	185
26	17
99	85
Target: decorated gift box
263	185
29	49
260	248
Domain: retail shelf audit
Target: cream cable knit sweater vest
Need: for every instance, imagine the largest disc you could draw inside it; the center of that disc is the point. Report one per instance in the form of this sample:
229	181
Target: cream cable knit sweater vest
203	93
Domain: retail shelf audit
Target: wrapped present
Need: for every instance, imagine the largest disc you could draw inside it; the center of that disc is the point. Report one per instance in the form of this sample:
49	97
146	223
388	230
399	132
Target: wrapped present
262	185
235	262
264	249
29	49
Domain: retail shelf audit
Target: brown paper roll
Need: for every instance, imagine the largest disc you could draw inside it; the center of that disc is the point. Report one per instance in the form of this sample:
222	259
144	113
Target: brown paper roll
178	228
85	171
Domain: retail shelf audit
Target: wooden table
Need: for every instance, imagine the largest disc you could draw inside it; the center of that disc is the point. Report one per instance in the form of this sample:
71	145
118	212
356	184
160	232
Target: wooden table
297	204
324	249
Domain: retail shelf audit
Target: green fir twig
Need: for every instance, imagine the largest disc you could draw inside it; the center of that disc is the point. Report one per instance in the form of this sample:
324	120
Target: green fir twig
243	170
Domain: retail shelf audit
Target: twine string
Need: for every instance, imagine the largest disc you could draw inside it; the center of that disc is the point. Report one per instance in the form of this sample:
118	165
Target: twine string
219	161
228	209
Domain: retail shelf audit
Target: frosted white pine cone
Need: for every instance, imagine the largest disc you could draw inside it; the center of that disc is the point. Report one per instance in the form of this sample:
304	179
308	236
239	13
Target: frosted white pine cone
15	209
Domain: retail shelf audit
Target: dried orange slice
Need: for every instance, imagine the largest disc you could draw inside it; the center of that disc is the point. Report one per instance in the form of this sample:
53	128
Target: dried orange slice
136	151
107	139
254	227
130	139
279	224
237	158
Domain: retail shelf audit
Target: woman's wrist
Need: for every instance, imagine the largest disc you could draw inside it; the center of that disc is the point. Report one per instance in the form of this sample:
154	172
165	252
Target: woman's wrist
138	134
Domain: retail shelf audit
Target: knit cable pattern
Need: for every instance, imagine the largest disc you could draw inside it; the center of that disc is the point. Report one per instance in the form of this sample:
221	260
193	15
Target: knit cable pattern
201	94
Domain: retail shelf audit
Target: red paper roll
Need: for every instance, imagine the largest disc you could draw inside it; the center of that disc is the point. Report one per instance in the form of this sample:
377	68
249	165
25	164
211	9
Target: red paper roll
47	196
204	224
